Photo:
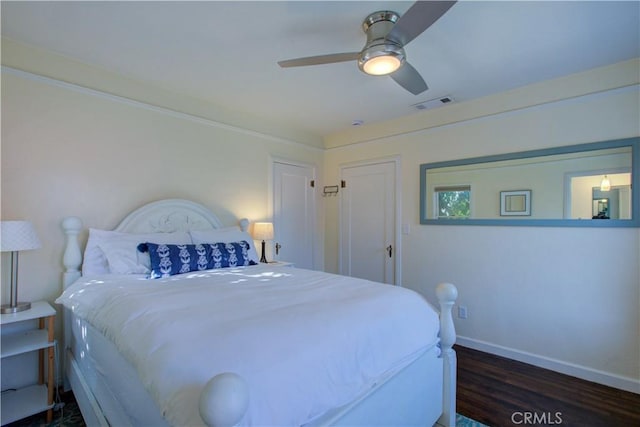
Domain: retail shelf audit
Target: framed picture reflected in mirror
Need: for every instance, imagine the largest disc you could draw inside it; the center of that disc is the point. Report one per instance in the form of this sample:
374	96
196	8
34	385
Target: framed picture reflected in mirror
515	203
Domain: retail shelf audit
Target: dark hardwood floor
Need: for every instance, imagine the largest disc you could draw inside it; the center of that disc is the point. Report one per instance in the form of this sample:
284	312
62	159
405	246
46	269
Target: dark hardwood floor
502	392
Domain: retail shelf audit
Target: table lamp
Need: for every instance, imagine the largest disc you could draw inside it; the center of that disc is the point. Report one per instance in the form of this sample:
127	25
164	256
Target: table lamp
16	236
263	231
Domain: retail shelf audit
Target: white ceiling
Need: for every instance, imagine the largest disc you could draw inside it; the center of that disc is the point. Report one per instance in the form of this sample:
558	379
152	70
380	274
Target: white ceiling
226	52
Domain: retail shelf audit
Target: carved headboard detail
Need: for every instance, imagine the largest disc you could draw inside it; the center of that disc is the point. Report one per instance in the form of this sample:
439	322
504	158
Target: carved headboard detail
165	216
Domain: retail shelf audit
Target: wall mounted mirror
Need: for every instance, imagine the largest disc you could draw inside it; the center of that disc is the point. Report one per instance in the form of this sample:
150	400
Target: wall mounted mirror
586	185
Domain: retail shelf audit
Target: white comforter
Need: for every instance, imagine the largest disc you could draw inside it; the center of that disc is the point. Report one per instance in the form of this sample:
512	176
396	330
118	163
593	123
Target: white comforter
304	341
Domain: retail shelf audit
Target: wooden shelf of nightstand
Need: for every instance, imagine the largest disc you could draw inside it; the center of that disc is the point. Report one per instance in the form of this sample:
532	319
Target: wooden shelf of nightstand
24	402
24	342
33	399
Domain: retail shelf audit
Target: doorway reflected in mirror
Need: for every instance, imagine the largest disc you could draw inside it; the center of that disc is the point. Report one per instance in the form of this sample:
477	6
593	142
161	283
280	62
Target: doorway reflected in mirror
588	200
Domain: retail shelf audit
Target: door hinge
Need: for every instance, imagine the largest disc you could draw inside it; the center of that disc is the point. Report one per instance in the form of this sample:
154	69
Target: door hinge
343	184
312	183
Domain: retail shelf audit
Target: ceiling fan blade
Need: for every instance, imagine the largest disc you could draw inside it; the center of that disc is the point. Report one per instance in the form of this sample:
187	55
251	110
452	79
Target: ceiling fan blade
320	59
409	78
418	18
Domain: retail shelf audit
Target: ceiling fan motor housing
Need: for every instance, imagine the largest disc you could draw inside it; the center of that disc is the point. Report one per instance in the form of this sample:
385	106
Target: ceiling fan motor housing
386	18
377	26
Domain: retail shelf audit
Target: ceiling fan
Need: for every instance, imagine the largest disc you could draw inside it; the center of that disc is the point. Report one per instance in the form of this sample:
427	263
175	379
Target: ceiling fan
387	34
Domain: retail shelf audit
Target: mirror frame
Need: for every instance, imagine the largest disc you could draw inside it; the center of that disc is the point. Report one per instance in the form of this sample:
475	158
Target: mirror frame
634	143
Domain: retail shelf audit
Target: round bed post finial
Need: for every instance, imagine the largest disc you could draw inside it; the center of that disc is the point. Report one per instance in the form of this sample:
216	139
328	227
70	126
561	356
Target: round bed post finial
72	258
224	400
447	295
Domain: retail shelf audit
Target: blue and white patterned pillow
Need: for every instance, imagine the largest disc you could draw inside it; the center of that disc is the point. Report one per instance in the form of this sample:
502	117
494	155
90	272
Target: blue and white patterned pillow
168	260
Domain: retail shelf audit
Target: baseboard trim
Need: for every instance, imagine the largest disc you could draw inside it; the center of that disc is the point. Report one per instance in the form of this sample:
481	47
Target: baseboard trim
578	371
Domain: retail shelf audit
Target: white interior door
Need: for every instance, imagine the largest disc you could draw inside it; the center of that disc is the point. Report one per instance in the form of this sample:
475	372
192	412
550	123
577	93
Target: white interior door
368	222
294	213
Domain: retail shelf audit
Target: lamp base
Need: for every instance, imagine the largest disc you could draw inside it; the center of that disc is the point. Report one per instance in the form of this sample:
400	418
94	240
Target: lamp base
8	308
263	258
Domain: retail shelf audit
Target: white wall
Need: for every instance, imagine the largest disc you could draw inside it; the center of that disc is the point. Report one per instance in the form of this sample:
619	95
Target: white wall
566	298
73	151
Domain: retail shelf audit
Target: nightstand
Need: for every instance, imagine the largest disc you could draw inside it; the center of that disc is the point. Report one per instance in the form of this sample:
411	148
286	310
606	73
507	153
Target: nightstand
33	399
280	263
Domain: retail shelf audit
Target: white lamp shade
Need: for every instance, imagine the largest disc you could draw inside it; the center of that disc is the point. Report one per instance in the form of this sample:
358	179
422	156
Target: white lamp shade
263	231
18	236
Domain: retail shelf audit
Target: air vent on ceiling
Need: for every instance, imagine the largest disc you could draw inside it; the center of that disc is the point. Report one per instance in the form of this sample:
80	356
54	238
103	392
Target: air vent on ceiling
433	103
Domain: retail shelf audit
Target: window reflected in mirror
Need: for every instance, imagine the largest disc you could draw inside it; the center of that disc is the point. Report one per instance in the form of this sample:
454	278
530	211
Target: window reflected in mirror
453	202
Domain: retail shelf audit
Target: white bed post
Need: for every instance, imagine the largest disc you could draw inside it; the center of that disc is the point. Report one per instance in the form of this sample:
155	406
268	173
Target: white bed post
72	258
447	294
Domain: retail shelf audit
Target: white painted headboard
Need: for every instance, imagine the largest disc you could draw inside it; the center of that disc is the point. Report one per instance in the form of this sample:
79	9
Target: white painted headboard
163	216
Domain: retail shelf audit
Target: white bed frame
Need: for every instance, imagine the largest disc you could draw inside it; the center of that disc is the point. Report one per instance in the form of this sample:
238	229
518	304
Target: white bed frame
422	394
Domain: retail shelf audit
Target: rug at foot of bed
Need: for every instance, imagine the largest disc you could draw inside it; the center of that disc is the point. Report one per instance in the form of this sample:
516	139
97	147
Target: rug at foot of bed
70	416
462	421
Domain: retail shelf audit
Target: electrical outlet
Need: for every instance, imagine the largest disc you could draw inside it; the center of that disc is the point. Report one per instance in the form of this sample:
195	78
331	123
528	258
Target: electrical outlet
462	311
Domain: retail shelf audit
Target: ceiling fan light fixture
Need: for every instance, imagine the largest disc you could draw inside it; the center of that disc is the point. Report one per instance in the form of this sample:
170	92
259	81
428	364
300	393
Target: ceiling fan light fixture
380	60
381	65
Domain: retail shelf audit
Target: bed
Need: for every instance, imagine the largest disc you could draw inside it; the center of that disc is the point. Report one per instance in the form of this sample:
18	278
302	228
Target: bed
243	343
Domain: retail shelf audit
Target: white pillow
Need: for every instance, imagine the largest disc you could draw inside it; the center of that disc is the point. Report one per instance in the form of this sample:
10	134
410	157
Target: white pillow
226	235
113	252
119	257
94	262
